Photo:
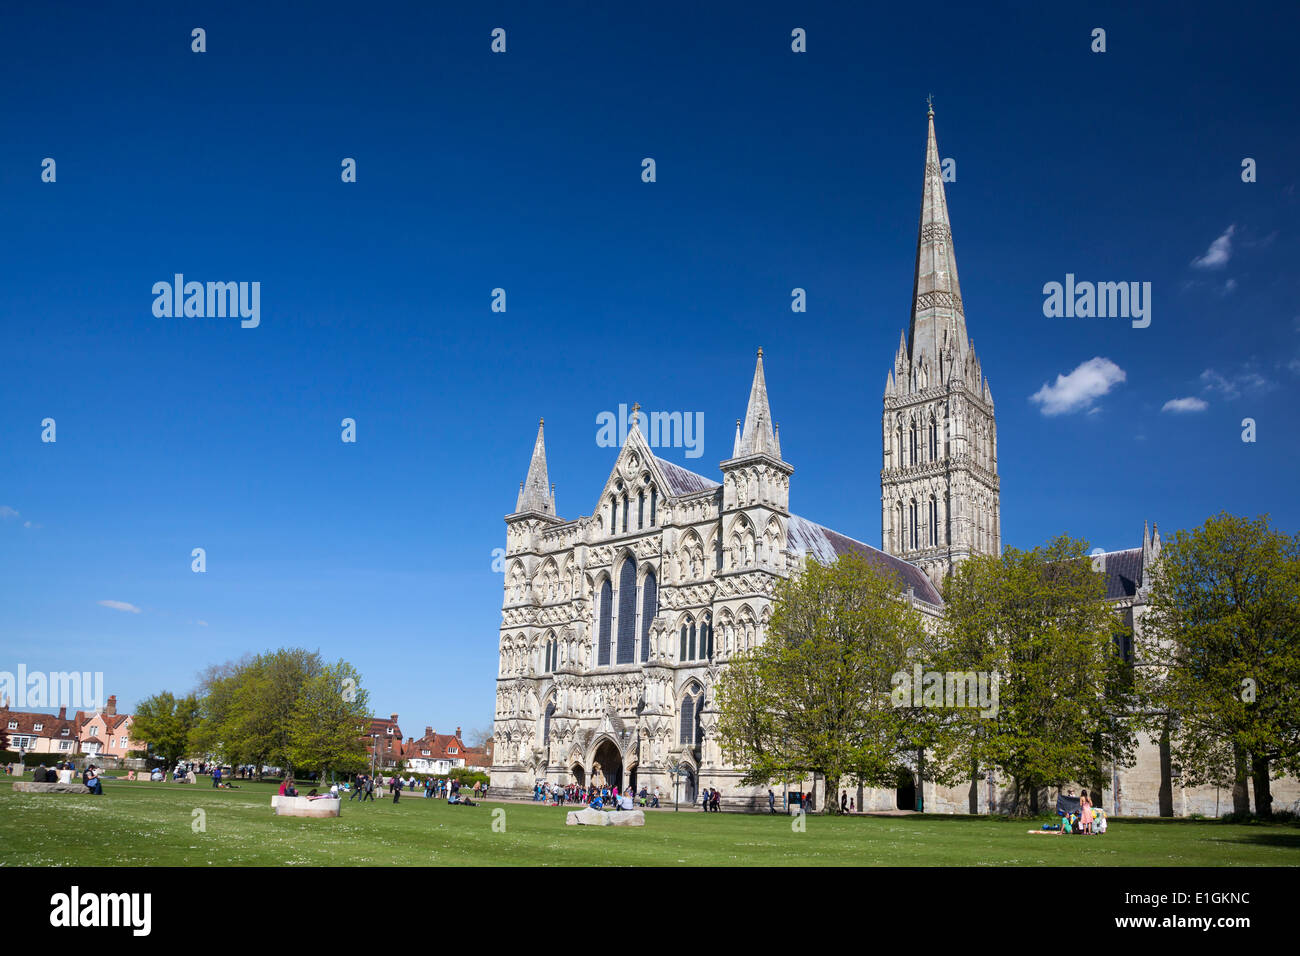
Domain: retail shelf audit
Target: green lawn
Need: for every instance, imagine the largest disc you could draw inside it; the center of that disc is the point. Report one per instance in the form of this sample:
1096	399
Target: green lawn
143	824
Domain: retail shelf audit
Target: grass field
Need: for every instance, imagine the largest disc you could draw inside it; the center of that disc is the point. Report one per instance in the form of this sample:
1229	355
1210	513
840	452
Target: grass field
143	824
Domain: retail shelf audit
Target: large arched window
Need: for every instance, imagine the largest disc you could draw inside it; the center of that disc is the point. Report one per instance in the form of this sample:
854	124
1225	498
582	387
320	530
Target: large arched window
687	649
546	722
649	608
606	618
627	612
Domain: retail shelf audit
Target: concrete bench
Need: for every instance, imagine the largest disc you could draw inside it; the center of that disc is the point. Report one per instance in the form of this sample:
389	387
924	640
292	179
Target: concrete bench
601	818
27	786
305	806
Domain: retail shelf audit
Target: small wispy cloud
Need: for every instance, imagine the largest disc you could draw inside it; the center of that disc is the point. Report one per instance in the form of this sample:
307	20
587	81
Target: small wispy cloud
6	512
1233	383
1181	405
1220	251
1079	390
120	606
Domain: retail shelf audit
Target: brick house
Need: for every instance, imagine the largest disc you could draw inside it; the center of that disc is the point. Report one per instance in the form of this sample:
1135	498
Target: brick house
384	741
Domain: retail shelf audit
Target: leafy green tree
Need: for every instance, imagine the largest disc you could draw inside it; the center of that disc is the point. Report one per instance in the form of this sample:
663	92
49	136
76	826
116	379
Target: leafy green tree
1221	655
260	712
815	696
166	722
1039	621
328	721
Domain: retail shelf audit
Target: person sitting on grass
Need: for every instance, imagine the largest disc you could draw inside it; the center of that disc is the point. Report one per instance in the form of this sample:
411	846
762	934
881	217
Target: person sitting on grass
596	802
90	777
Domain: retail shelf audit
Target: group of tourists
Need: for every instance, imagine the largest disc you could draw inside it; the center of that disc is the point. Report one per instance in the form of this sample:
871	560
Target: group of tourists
64	772
598	798
364	786
711	800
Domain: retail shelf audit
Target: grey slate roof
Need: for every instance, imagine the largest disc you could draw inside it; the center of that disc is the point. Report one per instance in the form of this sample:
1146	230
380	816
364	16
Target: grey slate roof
808	537
683	482
825	545
1123	572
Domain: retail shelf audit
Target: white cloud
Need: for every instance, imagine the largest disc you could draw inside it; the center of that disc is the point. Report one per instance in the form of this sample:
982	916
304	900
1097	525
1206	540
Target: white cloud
120	606
7	512
1192	404
1246	378
1220	251
1077	391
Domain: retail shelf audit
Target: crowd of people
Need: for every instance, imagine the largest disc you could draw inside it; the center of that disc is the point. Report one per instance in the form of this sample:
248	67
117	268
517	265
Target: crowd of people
597	797
364	786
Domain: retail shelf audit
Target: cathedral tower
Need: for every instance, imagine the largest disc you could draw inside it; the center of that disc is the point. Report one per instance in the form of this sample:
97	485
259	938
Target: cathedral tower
939	499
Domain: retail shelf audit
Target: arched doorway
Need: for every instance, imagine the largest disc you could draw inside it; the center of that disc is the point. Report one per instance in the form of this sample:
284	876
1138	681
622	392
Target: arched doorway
905	795
578	775
607	766
687	792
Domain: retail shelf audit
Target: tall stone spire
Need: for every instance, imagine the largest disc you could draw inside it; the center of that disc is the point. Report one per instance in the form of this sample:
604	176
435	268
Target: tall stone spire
939	487
938	321
536	493
757	437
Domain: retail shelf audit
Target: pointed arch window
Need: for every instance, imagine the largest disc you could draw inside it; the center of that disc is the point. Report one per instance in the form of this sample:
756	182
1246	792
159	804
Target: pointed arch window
914	447
546	723
934	439
649	608
934	522
606	622
625	514
640	510
914	530
654	501
626	611
687	649
706	638
692	704
613	524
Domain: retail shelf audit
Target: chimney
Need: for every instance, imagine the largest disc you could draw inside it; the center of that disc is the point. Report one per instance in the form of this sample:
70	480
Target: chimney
63	713
457	733
393	718
111	707
428	732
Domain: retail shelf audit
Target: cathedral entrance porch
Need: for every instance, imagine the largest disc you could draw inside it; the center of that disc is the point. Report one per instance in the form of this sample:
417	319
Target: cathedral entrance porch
607	766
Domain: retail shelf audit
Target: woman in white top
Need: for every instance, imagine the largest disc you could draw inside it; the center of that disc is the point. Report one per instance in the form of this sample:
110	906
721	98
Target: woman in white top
65	774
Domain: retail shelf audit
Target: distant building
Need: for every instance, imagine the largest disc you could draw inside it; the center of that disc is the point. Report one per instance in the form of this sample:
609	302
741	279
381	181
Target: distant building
384	741
104	733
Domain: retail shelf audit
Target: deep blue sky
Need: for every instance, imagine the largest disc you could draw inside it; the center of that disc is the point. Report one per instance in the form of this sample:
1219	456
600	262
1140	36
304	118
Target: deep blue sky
522	171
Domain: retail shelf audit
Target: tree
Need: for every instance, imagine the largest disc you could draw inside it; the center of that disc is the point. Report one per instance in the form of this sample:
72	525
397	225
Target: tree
815	696
1038	620
165	722
328	721
1221	655
260	710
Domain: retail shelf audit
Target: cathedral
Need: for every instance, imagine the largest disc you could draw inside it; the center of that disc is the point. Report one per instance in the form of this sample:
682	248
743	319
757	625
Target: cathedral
616	626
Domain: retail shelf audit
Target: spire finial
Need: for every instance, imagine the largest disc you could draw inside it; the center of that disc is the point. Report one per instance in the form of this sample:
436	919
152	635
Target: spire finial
760	351
541	422
636	407
929	102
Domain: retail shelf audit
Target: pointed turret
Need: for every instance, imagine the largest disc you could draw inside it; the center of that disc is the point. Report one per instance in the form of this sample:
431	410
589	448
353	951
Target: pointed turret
938	320
536	493
757	437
